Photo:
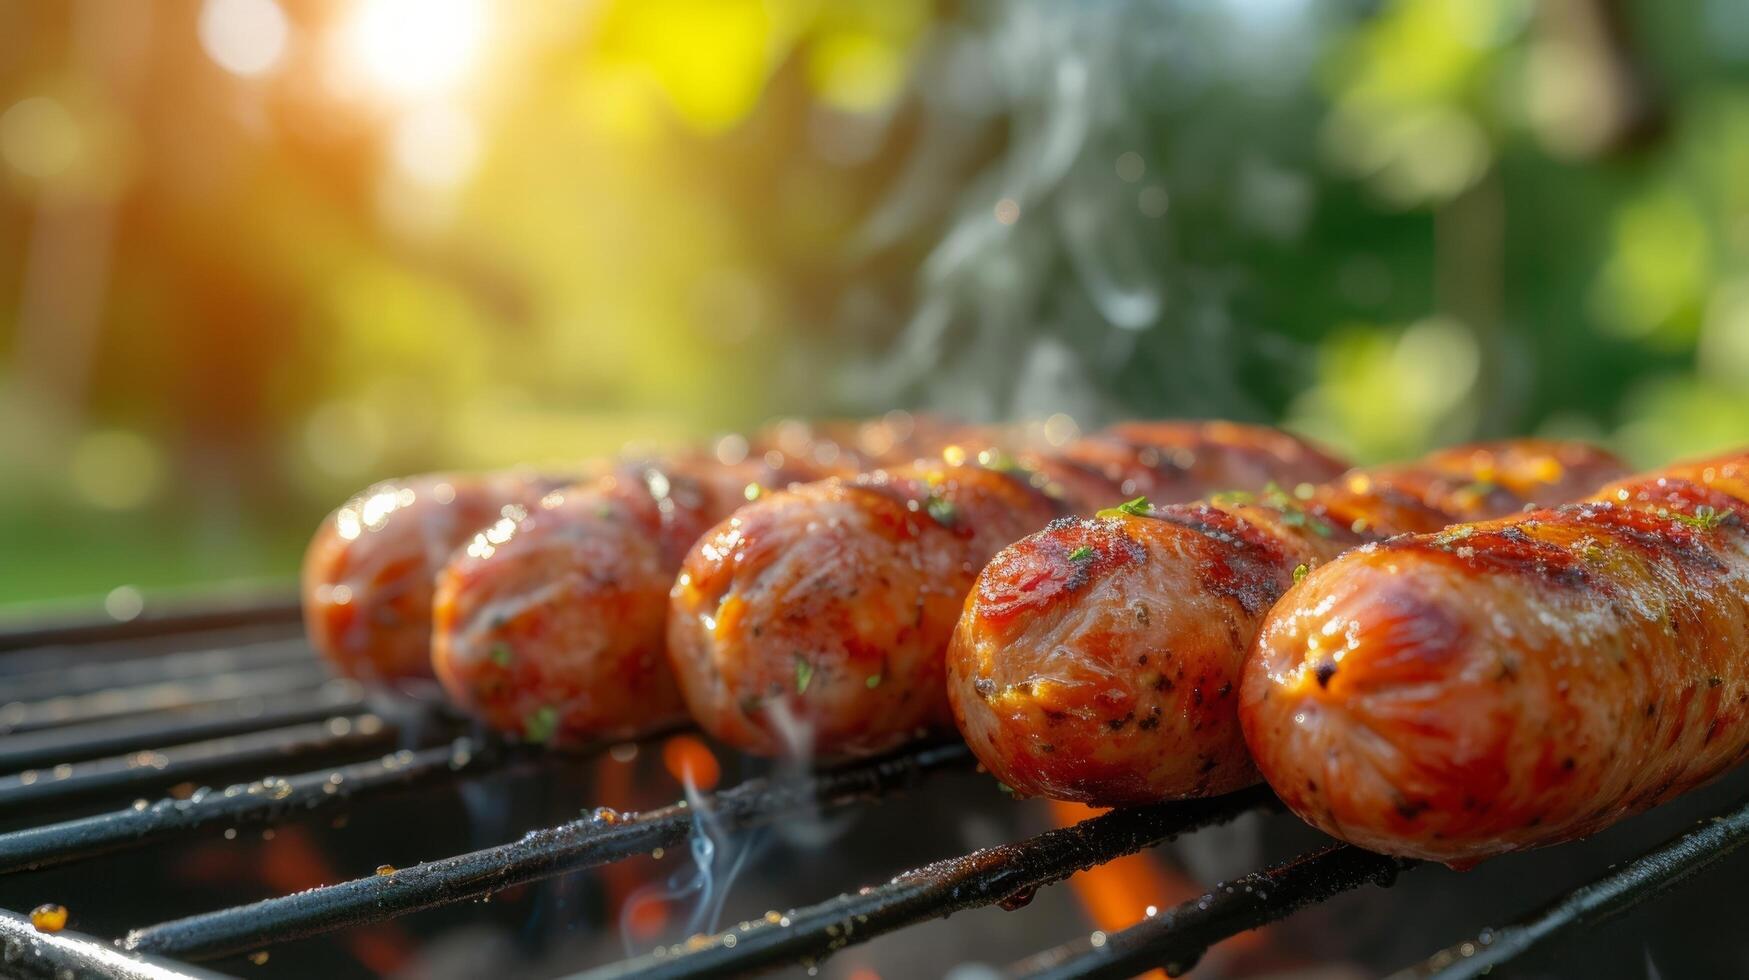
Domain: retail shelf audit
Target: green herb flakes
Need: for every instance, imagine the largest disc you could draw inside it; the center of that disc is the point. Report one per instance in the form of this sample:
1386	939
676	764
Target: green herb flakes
1453	535
1139	507
942	511
541	725
1704	518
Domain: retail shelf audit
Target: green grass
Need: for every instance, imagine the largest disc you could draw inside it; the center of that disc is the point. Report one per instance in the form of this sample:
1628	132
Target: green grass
70	556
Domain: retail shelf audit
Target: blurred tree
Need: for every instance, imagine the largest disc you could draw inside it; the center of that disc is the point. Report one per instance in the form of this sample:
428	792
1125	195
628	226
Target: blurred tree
254	253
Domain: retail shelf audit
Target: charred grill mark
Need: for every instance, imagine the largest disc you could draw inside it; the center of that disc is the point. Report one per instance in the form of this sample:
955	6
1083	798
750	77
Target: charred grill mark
1238	559
1647	533
1502	550
1410	809
1686	496
1121	550
1048	568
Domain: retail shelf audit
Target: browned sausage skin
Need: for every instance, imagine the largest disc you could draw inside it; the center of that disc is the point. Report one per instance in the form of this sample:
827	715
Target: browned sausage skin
368	571
1514	683
1098	660
813	622
551	626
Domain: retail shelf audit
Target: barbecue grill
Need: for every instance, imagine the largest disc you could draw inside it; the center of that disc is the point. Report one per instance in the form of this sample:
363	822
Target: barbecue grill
149	744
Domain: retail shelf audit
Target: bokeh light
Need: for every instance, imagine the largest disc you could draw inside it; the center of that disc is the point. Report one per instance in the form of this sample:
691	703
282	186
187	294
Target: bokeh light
436	145
411	49
39	137
245	37
116	470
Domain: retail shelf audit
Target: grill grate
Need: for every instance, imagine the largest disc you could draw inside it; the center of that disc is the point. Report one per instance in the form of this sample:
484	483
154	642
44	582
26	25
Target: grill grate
1176	939
149	709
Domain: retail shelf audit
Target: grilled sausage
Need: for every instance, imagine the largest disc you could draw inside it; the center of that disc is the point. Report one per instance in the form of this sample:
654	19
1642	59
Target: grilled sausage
1098	660
369	571
813	622
550	623
1512	683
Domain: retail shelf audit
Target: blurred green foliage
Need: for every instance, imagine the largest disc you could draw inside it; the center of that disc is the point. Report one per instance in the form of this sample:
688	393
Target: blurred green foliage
254	254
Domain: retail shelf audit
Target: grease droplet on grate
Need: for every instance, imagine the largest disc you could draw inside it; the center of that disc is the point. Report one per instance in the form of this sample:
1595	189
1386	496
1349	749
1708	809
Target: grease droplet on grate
49	917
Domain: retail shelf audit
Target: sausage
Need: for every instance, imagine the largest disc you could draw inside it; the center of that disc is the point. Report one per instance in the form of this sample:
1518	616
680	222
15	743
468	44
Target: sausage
551	625
813	622
1513	683
1098	660
368	573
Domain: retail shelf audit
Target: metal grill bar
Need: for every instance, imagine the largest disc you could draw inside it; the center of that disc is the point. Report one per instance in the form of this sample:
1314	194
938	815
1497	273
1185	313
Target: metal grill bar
102	705
84	678
1006	872
1648	876
238	805
184	698
196	760
26	954
73	743
173	620
1176	939
596	840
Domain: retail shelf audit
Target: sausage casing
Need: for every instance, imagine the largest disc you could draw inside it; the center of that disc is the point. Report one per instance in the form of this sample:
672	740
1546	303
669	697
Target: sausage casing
814	621
1512	683
370	569
550	624
1098	660
367	574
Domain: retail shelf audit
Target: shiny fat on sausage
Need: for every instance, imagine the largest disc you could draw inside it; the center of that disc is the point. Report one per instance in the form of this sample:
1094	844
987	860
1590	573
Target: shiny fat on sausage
549	623
367	574
813	622
1098	660
369	571
551	626
1513	683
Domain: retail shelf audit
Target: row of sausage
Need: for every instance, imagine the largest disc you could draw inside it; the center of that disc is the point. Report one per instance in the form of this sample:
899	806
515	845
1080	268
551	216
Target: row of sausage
1489	648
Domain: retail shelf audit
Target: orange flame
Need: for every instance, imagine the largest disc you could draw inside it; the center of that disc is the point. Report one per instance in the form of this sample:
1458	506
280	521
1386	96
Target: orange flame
691	763
1118	894
291	862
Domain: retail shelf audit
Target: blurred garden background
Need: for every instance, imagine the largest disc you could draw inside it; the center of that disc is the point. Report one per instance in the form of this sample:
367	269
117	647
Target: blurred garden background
255	254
